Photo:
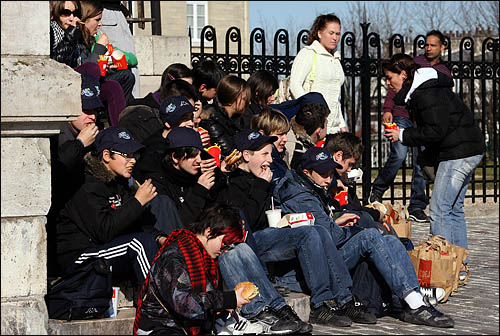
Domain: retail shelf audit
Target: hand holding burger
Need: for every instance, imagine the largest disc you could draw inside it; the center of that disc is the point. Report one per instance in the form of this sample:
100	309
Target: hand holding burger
245	292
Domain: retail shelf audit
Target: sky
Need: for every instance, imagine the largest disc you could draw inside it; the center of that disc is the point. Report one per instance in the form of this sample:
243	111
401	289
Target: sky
279	12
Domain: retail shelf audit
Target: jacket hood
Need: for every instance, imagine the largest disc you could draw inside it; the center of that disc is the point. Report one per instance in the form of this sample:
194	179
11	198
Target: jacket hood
424	78
300	132
95	167
319	49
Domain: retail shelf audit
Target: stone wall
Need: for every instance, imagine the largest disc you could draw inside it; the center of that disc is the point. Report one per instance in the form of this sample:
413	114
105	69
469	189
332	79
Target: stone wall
37	95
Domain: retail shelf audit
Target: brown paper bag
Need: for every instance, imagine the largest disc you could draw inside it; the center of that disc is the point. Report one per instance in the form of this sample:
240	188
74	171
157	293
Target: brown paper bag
397	215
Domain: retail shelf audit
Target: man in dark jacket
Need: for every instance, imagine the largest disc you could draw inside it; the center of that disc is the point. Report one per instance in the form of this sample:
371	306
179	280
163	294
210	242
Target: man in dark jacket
249	189
306	190
103	218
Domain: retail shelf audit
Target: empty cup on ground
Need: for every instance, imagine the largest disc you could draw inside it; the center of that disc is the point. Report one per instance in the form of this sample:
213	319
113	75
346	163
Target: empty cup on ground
273	217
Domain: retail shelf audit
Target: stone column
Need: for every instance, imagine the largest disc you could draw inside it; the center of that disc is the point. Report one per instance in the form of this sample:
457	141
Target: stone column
37	95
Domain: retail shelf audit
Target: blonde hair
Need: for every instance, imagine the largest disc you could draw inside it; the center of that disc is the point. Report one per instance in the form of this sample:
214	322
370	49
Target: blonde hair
270	121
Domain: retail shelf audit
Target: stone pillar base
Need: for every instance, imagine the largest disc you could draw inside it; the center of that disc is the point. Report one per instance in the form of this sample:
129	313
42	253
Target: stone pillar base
24	316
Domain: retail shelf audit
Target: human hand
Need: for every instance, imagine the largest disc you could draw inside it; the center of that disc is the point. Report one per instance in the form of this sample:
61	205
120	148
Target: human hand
205	139
240	300
225	168
207	179
343	130
208	164
103	39
348	219
387	117
392	134
88	134
146	192
265	173
75	21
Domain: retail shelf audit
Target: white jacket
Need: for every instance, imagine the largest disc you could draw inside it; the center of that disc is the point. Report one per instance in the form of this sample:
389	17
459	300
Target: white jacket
328	80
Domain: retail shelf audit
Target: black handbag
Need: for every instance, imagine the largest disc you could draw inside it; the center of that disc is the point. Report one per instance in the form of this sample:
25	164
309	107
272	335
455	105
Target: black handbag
83	294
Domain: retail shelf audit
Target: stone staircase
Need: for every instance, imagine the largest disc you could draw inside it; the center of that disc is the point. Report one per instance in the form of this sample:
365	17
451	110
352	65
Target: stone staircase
122	324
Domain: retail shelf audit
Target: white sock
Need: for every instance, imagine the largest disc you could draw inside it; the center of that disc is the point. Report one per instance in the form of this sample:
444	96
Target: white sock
414	300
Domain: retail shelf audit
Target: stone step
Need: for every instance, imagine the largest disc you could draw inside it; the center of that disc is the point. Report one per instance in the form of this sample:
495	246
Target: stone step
122	324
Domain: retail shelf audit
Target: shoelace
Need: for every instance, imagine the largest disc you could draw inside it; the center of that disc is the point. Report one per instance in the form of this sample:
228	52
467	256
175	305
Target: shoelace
434	311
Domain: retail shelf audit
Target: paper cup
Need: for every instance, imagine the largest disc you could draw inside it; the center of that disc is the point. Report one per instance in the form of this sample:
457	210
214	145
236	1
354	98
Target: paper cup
273	217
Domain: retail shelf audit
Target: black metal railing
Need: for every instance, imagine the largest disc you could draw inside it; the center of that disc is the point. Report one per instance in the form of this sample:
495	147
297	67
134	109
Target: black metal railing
475	71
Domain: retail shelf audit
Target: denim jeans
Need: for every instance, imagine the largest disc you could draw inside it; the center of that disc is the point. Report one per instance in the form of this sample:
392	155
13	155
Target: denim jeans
241	264
448	195
388	254
322	264
418	199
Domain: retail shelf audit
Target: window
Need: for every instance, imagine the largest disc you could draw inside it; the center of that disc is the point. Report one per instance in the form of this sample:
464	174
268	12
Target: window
197	13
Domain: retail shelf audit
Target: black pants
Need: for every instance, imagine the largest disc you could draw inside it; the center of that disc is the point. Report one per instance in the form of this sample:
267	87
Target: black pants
127	81
132	252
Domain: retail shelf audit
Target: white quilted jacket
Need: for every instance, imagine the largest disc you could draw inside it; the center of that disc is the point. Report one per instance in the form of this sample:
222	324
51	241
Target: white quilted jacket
328	80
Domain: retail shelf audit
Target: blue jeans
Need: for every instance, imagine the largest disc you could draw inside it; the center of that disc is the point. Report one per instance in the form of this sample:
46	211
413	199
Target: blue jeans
388	254
418	199
325	272
448	195
241	264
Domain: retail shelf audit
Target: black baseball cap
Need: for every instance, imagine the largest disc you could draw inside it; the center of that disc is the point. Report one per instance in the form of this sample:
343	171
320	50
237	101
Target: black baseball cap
173	108
318	159
90	92
250	139
116	138
186	137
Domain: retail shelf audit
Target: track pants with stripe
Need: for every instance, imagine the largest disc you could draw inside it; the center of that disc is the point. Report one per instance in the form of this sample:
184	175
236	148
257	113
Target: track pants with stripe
131	252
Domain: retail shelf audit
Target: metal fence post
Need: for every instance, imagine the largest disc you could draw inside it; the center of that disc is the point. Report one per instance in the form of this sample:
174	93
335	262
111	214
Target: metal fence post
365	113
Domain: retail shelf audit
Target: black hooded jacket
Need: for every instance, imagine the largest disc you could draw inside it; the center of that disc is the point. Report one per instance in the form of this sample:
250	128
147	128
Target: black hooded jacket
101	210
222	130
444	124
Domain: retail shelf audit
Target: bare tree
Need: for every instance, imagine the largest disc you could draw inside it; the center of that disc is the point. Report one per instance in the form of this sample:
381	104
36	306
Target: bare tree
478	13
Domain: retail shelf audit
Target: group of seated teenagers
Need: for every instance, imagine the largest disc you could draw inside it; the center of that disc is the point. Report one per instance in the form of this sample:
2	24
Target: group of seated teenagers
187	227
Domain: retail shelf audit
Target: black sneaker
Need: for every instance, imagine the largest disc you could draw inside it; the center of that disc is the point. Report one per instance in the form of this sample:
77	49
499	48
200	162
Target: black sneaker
272	323
375	197
427	315
419	216
328	314
288	313
357	312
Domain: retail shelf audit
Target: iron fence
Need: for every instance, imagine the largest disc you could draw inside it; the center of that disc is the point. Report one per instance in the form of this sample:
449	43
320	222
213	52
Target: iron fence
473	63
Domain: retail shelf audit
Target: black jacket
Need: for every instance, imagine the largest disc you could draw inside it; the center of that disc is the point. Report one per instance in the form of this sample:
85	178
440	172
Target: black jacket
101	210
222	130
444	123
64	44
250	194
252	109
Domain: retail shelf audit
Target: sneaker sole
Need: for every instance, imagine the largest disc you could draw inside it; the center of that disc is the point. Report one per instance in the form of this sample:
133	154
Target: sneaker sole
266	329
317	321
415	219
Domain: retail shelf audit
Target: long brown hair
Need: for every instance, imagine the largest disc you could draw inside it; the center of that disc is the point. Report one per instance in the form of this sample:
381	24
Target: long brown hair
89	9
230	87
320	23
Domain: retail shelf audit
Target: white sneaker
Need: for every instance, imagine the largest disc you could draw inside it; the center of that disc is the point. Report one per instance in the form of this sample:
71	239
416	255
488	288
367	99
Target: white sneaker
231	327
434	294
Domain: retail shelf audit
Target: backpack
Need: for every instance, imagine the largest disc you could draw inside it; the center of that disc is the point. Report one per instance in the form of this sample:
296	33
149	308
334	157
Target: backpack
141	121
370	288
83	294
284	93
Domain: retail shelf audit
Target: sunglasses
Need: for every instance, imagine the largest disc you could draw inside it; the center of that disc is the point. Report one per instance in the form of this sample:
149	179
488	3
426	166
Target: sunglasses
67	12
128	156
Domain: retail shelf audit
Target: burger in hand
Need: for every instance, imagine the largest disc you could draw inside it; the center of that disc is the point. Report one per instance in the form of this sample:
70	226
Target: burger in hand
250	291
233	158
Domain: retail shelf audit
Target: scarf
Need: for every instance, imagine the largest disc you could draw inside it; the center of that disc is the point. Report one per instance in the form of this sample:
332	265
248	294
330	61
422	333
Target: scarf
201	267
58	33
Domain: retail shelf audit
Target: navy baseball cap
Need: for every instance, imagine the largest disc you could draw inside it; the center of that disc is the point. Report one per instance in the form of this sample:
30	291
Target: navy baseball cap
173	108
90	92
116	138
319	160
250	139
186	137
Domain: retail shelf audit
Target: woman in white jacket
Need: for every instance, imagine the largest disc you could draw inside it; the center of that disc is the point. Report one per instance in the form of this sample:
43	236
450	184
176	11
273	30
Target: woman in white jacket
317	68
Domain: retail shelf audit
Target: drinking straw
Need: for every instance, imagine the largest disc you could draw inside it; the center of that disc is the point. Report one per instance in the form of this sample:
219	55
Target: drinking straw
272	203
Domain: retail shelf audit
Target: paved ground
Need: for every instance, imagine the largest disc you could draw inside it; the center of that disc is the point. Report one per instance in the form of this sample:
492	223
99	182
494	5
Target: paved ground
475	308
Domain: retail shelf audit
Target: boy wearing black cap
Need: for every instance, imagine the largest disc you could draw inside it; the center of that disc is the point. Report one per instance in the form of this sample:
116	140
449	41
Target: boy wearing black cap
249	189
307	192
103	218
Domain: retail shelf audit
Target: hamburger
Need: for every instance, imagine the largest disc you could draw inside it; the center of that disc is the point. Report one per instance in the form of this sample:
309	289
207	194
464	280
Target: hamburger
233	157
250	291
